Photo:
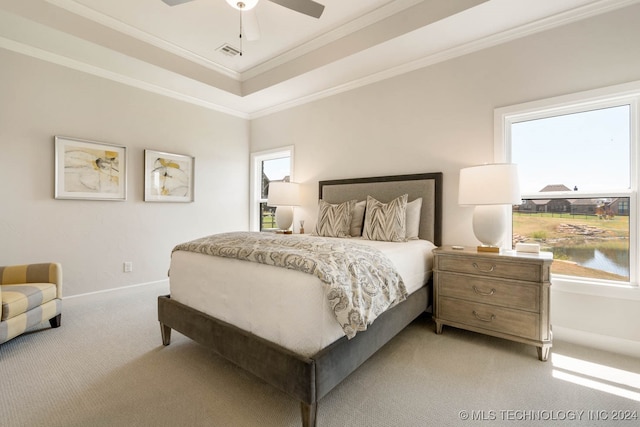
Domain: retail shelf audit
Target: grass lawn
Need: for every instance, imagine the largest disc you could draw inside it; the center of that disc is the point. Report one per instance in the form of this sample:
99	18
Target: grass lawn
573	231
547	226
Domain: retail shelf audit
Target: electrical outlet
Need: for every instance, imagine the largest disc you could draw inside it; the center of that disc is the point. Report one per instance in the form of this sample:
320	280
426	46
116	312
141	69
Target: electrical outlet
128	267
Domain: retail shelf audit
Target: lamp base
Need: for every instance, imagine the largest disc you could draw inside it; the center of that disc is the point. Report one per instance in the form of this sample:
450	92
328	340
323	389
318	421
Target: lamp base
284	218
492	249
489	224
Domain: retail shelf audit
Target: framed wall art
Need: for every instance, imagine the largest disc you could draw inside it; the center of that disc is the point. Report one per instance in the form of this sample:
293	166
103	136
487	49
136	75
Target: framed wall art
90	170
168	177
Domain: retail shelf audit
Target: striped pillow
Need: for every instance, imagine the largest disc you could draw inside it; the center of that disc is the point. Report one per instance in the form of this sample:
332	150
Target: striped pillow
334	220
386	221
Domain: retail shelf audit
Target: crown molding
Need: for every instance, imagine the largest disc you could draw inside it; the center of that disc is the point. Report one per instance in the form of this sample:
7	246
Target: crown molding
564	18
36	40
117	25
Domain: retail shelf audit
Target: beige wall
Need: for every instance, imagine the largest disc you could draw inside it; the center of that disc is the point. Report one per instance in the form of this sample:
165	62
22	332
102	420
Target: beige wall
440	118
92	239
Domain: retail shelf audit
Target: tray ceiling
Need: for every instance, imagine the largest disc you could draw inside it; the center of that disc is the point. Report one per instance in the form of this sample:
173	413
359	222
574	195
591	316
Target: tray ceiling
175	50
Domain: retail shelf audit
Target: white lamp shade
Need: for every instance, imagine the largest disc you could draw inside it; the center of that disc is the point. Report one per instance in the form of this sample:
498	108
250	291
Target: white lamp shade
491	184
248	4
283	194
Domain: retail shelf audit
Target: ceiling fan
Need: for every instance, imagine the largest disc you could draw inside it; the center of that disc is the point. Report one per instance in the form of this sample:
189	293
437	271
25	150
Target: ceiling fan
251	29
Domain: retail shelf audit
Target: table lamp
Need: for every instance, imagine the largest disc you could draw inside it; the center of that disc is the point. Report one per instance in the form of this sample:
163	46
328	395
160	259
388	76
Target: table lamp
284	195
489	188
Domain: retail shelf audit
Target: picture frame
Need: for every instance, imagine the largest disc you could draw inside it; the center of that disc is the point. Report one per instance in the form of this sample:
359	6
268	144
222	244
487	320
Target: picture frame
89	170
168	177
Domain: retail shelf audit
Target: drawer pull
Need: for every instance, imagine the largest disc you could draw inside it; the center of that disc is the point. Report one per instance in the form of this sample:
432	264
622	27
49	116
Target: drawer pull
477	267
491	319
485	294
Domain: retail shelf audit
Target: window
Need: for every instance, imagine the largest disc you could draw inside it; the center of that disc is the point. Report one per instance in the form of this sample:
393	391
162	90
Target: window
267	166
577	168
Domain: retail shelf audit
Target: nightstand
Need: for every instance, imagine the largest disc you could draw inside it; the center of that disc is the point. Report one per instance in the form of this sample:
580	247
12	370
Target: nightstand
503	294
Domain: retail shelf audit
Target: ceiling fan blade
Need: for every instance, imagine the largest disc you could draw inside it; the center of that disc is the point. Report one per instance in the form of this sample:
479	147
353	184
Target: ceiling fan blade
250	25
176	2
307	7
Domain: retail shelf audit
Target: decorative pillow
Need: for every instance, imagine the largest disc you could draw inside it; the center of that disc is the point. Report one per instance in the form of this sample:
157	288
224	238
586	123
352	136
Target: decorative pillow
334	220
357	219
413	218
386	221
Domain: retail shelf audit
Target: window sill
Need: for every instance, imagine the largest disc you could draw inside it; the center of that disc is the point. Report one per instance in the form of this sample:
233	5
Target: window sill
600	289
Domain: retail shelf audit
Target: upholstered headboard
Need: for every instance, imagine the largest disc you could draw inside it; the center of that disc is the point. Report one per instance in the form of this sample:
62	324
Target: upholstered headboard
386	188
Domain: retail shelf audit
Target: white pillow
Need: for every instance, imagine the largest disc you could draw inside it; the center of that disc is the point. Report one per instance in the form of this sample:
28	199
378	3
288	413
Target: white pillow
334	220
386	221
413	218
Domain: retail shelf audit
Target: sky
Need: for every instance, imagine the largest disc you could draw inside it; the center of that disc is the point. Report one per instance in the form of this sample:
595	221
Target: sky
590	150
276	169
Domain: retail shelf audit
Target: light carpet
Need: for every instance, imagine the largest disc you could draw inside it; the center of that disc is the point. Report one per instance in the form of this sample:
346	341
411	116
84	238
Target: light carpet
106	366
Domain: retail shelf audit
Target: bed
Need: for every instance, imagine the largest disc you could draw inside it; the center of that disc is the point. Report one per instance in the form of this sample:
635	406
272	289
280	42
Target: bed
284	356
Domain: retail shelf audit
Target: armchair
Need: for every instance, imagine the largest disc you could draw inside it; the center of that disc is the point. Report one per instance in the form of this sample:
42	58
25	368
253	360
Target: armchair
30	294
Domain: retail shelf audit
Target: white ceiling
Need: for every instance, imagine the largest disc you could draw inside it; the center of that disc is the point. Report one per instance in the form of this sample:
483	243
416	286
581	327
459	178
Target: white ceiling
173	50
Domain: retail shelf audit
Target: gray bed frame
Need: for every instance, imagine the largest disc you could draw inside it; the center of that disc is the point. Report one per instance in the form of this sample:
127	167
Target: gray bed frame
308	379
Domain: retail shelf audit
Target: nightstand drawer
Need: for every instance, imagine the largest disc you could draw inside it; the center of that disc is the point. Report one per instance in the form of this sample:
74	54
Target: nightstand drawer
490	267
513	322
490	291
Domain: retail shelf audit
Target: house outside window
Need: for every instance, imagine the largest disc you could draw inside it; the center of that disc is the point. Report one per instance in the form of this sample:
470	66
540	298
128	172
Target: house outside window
578	177
267	167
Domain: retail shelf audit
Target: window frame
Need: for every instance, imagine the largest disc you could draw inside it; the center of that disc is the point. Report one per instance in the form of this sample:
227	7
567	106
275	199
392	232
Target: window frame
627	94
255	180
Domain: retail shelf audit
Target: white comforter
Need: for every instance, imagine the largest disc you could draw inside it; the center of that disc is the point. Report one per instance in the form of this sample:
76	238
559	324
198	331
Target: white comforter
283	306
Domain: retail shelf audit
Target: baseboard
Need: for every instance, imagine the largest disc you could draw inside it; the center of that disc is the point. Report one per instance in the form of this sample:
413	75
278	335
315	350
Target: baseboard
600	342
137	285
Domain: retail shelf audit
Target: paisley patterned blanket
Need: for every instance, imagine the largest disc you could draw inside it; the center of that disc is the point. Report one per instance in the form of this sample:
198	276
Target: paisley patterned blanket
360	281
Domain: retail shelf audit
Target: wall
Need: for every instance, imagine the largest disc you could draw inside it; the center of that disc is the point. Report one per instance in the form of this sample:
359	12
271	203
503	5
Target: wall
440	118
92	239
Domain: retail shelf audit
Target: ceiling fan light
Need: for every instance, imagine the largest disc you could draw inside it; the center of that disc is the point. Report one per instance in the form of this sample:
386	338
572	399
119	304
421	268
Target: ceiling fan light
247	4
